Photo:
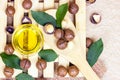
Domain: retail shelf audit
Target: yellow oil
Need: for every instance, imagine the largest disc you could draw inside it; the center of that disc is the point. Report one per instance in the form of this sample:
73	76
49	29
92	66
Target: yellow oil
27	39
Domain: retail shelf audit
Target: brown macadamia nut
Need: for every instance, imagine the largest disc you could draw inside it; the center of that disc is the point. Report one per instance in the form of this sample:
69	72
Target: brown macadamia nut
69	35
9	49
27	4
10	11
88	42
61	71
73	71
41	64
62	43
73	8
8	72
59	33
25	64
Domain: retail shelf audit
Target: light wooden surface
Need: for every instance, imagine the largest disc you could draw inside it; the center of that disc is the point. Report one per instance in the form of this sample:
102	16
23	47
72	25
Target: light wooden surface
79	41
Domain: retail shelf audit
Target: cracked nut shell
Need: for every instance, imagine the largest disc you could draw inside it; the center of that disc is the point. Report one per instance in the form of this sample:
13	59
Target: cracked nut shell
73	71
59	33
73	8
25	64
95	18
61	71
90	1
48	28
10	11
69	35
62	43
41	64
9	49
8	72
88	42
27	4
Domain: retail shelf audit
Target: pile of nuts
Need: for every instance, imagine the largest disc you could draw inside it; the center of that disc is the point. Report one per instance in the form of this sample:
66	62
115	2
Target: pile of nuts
62	71
63	36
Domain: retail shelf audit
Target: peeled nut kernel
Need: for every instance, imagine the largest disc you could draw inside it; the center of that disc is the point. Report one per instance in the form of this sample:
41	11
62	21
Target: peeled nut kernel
10	11
88	42
41	64
73	8
62	43
59	33
27	4
25	64
8	72
61	71
9	49
48	28
69	35
95	18
73	71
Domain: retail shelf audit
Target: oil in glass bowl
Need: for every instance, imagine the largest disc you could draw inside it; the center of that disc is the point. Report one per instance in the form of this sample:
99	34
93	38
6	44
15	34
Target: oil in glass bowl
27	39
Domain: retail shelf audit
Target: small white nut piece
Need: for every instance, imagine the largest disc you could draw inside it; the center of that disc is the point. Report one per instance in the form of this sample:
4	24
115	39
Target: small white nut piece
48	28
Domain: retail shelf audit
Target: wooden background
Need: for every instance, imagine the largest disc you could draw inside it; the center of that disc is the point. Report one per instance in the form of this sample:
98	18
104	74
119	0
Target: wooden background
48	4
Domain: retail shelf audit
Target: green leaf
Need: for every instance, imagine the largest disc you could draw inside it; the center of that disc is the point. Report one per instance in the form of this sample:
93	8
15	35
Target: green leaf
48	55
42	18
60	14
11	60
94	52
24	76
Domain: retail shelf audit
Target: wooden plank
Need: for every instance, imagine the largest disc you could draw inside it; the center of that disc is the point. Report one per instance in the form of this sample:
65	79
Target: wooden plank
19	12
3	21
63	61
33	71
37	5
81	23
48	4
49	71
17	21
